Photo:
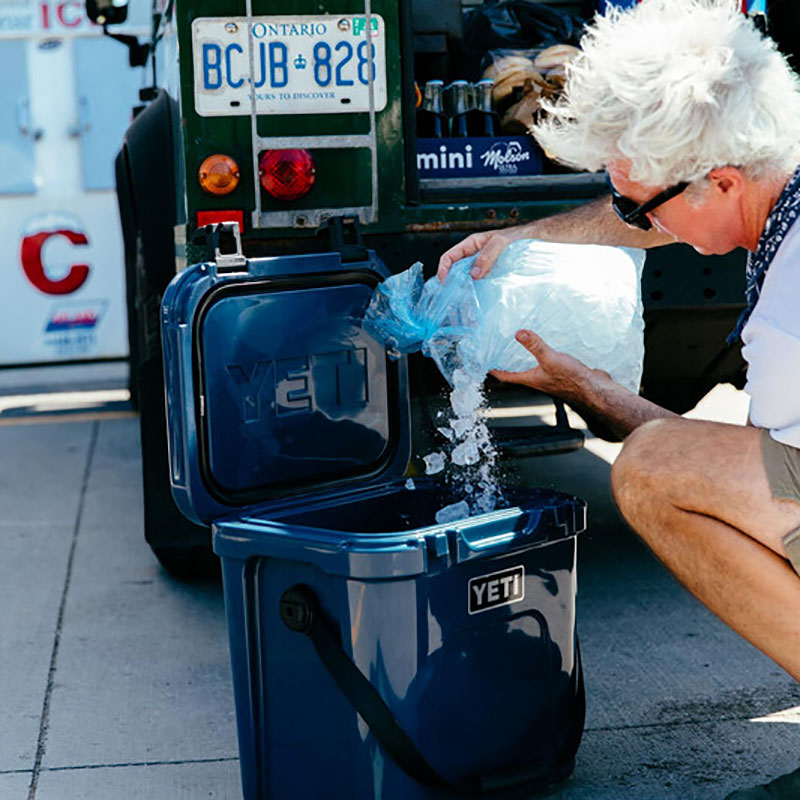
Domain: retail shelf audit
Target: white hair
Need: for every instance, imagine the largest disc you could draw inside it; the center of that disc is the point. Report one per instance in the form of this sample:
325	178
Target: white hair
678	87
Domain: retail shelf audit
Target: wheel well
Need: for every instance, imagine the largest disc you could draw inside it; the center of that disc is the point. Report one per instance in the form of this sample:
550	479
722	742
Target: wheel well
146	190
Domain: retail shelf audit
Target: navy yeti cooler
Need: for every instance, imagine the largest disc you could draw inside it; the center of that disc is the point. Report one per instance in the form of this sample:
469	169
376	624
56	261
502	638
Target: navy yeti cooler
375	653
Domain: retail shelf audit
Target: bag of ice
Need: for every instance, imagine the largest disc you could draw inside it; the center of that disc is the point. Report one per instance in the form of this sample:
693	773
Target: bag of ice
584	300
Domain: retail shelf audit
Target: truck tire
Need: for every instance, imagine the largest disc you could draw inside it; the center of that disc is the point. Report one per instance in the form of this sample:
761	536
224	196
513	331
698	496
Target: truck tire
189	563
146	195
166	529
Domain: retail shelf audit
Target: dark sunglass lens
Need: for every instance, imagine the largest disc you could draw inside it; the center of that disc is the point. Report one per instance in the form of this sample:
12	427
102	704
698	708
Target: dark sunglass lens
628	211
624	205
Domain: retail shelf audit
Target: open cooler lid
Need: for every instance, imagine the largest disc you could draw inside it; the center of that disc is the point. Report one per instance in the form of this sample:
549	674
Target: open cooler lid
273	388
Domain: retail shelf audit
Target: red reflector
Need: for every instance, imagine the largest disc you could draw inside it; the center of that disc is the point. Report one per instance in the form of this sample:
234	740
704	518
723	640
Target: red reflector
210	217
287	174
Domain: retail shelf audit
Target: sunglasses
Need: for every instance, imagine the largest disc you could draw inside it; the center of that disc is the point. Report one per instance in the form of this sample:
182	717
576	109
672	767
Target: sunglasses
631	213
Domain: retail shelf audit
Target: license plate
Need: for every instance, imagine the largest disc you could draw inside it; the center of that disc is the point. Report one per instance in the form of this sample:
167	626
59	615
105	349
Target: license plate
301	64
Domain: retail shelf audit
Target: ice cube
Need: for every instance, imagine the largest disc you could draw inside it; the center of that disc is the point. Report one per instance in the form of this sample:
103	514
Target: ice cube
461	425
466	453
434	463
453	512
461	378
481	434
447	433
486	501
410	485
465	400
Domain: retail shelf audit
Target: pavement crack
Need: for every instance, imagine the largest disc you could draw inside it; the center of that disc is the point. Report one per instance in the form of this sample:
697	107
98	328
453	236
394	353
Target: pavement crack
44	721
159	763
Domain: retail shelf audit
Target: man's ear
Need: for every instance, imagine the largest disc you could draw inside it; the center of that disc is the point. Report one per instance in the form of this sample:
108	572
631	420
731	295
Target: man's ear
727	181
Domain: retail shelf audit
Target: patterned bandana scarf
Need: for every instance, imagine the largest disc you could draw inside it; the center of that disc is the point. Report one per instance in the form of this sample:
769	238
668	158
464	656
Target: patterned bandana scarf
780	220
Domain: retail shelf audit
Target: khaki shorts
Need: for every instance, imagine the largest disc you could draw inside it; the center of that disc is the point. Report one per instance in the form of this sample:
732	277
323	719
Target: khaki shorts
782	463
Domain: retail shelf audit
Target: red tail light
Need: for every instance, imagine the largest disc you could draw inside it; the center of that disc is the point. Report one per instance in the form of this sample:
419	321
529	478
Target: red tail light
287	174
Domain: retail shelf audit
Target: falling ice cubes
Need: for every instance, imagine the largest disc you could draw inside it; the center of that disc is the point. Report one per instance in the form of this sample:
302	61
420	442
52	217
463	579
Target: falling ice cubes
462	425
410	485
453	512
434	463
447	433
466	453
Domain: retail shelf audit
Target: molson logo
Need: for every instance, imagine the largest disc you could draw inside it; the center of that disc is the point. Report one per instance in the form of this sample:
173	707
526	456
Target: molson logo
503	157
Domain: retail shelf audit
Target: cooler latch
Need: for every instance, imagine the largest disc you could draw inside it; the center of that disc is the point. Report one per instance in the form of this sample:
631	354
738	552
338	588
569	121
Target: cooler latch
223	243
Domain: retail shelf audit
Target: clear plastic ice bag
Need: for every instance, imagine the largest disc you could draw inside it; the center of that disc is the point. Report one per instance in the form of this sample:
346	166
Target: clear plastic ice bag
584	300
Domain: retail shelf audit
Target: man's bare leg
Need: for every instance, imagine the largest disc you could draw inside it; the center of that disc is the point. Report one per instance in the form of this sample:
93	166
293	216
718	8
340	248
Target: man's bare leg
697	493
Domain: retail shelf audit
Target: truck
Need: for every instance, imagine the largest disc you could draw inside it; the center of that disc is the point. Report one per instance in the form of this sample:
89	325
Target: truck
68	93
273	129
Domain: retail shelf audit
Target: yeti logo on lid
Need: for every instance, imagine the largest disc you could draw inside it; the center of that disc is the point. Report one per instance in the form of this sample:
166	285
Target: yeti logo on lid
496	589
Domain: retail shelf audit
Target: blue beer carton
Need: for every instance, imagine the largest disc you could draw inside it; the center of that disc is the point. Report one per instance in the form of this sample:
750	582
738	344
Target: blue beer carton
478	157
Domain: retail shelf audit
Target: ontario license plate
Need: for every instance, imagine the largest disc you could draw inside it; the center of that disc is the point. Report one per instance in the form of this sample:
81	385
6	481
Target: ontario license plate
300	64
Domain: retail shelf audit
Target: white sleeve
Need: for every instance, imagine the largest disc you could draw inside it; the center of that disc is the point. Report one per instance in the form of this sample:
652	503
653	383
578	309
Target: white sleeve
772	346
773	375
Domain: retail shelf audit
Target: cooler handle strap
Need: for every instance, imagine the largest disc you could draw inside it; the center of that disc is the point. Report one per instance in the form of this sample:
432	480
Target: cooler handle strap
300	611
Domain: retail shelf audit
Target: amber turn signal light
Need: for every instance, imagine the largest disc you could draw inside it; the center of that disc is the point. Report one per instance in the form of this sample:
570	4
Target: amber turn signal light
218	174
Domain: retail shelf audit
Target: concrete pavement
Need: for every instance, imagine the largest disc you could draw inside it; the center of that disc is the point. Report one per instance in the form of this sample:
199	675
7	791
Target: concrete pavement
116	680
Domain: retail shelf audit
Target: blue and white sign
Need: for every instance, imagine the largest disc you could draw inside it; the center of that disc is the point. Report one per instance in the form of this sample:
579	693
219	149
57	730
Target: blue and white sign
63	19
500	156
748	6
604	5
300	64
67	92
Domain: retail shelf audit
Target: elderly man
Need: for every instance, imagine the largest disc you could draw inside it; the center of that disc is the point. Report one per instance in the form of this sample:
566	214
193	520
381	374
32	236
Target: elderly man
696	119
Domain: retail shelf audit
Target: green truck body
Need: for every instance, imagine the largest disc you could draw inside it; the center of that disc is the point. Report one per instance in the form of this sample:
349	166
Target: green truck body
367	192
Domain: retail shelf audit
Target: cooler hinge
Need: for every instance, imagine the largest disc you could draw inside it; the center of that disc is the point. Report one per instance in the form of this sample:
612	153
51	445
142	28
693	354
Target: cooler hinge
344	237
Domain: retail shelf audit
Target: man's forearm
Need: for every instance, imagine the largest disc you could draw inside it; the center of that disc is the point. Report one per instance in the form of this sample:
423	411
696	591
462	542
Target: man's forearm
592	223
619	408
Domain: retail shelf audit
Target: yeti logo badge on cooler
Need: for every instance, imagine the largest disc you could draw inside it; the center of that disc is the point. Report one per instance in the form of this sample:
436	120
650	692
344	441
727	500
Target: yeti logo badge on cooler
496	589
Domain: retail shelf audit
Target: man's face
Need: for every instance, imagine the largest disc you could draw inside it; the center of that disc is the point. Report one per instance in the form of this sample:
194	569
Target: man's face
711	228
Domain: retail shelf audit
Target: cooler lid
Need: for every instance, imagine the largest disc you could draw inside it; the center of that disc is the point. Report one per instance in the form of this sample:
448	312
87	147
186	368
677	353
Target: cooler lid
273	388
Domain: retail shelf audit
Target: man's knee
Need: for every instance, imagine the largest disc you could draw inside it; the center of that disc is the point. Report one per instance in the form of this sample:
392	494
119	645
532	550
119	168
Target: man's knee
638	476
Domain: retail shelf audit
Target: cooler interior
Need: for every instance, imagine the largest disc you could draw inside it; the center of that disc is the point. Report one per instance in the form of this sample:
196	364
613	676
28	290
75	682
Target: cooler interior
396	509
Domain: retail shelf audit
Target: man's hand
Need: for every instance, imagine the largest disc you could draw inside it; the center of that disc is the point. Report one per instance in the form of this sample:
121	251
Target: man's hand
588	391
488	245
557	374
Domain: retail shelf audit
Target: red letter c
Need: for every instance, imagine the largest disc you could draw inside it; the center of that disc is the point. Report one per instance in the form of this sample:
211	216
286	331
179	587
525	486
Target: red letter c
31	254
